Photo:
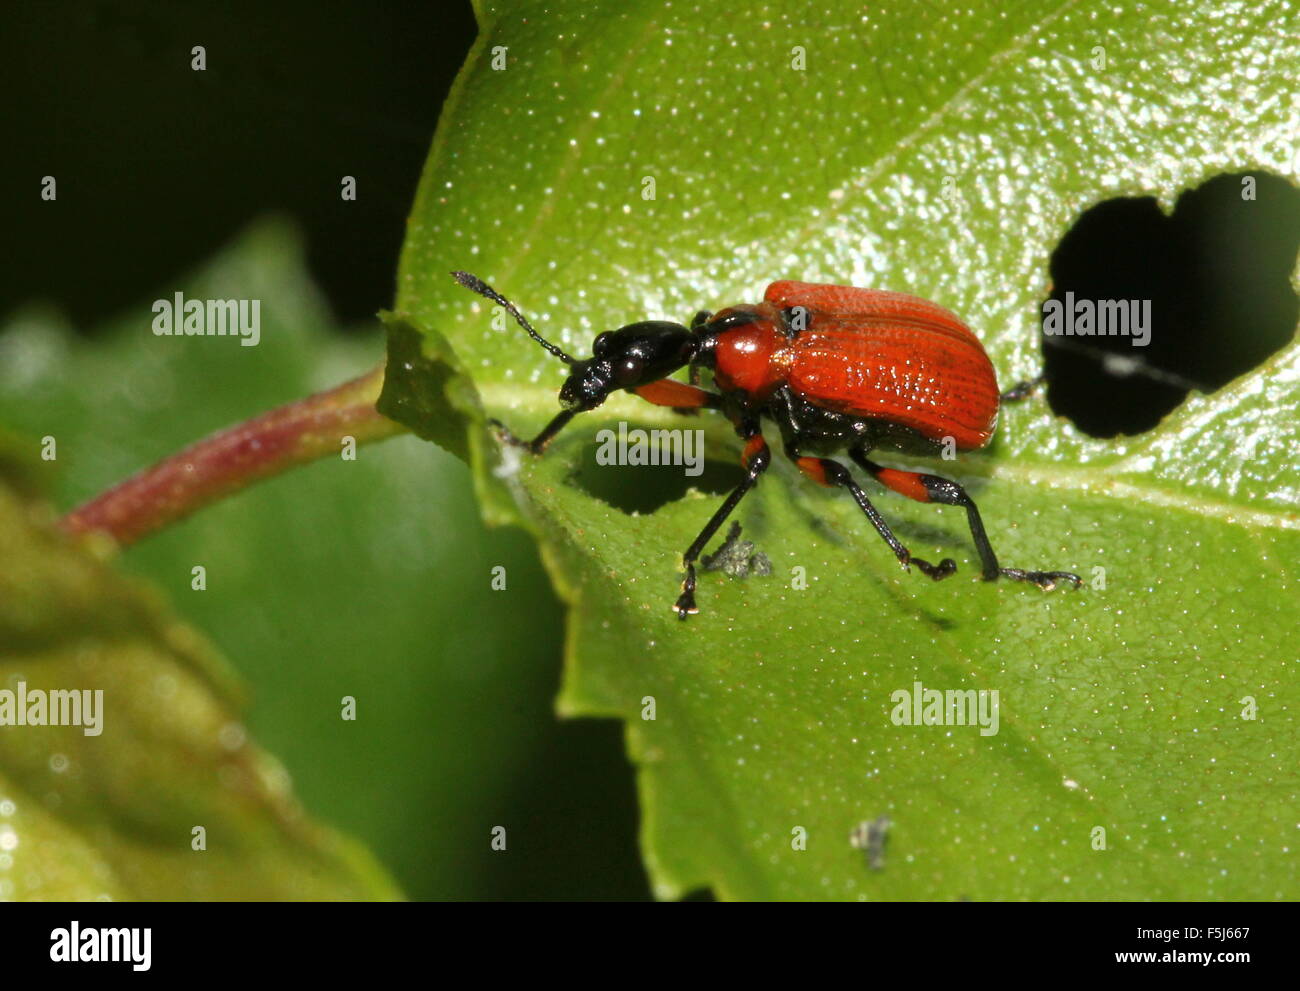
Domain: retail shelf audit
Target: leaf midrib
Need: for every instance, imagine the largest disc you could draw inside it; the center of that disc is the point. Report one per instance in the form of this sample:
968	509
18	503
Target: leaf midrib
1111	480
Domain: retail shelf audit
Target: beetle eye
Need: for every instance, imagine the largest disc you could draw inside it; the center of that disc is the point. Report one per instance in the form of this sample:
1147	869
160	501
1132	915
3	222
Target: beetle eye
601	345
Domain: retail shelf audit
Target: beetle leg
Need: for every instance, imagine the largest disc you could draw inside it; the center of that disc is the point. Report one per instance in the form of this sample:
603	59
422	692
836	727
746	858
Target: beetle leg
682	398
538	444
698	321
756	458
933	488
1023	390
830	473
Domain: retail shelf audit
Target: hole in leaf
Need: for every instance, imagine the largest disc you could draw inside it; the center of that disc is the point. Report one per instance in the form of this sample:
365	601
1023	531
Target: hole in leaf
644	488
1217	274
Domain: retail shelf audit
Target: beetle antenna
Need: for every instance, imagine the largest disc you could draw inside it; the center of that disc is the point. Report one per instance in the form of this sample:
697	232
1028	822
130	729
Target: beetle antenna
475	284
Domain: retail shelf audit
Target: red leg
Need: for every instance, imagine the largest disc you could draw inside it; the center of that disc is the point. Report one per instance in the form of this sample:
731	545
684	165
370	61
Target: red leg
678	395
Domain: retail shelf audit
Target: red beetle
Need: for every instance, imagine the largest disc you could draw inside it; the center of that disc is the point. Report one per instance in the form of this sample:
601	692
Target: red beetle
836	368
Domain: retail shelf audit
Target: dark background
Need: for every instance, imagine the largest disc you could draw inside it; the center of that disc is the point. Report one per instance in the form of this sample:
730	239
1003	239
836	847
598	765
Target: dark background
158	167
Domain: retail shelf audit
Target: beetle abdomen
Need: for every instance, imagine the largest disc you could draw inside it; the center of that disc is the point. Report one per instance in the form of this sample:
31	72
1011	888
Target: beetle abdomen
912	375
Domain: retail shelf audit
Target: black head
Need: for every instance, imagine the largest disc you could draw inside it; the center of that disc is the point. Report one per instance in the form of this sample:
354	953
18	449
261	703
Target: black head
635	355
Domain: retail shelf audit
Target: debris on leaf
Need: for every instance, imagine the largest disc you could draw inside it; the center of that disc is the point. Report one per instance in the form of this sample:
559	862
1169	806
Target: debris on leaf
870	837
737	557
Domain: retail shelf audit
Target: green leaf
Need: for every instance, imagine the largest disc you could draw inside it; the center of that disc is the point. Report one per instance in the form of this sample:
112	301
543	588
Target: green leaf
158	760
1123	706
111	815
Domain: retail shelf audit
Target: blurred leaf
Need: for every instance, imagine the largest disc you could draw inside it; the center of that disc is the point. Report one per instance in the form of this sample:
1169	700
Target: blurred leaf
106	809
369	578
636	160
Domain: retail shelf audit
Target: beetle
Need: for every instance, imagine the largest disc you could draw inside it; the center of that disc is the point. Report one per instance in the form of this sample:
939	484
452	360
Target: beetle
836	368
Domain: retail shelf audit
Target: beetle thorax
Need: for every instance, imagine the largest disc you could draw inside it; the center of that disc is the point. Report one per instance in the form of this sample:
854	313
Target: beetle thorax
754	357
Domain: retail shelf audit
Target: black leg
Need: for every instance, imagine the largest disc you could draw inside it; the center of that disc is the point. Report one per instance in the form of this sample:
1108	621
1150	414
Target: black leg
823	471
538	444
1023	390
934	488
757	458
